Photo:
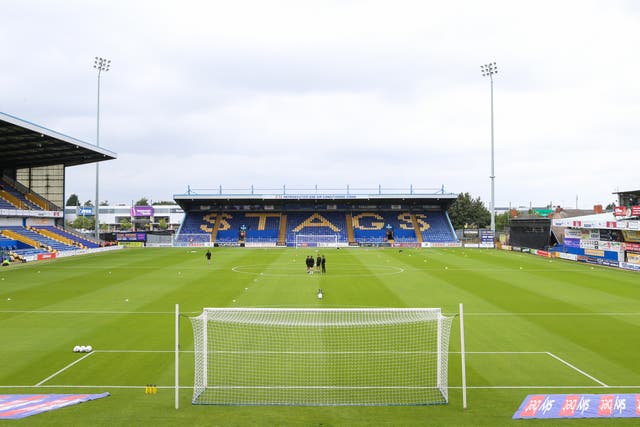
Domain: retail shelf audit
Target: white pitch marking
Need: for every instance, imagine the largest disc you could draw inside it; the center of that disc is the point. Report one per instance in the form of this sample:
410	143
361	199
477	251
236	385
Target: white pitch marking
63	369
360	306
556	314
279	271
500	352
89	386
90	312
528	387
579	370
496	387
142	351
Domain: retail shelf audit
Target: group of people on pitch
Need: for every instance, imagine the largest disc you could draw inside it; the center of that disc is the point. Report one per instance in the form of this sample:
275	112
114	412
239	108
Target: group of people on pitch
320	263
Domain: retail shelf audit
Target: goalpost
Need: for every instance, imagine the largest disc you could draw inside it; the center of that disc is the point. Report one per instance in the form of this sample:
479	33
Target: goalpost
316	240
269	356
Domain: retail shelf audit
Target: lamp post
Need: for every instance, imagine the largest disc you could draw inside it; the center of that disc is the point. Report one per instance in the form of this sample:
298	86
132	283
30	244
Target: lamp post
100	64
488	70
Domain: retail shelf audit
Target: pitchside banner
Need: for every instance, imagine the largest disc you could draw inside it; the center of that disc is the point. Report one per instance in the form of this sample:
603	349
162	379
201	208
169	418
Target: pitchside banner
487	238
572	233
579	406
571	242
15	406
131	237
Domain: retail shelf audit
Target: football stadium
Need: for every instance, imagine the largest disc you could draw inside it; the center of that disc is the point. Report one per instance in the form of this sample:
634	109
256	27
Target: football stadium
307	306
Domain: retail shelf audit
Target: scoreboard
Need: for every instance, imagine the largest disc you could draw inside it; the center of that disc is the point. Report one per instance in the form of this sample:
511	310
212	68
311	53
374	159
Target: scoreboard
131	239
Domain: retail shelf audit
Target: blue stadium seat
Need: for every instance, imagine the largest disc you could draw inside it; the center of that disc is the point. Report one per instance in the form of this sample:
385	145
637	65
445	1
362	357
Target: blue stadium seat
73	237
195	228
368	227
260	227
440	229
317	223
18	194
43	240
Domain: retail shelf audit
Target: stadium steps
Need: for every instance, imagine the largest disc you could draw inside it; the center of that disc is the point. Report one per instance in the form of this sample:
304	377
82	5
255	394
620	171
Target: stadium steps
81	239
20	192
19	204
54	236
416	227
17	236
350	236
4	204
37	201
32	197
282	237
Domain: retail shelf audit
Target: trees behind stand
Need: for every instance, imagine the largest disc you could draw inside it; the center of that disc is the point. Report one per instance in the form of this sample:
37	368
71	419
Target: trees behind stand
469	212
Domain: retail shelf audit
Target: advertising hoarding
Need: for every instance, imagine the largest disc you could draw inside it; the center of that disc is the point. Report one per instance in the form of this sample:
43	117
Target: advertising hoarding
138	211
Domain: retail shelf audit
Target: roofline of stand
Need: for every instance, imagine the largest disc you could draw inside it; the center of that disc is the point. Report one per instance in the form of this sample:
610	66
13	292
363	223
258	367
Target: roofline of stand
315	193
57	135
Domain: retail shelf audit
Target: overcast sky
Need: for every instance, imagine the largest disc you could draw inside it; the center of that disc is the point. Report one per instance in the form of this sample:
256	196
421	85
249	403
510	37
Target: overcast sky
335	93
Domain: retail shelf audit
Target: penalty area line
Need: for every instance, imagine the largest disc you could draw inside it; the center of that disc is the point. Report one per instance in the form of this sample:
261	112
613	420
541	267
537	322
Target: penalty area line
63	369
550	387
577	369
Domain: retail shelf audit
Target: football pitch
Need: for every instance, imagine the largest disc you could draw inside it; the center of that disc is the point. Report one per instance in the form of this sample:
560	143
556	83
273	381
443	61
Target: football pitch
532	325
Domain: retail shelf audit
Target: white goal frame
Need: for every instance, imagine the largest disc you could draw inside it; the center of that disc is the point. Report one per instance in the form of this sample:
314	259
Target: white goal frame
316	240
192	240
315	319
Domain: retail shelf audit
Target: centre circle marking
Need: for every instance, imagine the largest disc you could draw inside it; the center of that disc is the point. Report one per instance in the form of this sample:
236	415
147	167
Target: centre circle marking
340	270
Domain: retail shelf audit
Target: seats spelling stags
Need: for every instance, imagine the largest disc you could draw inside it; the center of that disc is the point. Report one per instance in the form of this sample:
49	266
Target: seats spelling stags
371	227
317	224
224	227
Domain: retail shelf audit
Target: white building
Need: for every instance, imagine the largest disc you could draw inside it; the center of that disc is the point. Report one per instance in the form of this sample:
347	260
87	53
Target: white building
139	216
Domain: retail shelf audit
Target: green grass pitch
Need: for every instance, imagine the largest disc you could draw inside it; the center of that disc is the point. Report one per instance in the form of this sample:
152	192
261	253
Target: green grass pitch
533	325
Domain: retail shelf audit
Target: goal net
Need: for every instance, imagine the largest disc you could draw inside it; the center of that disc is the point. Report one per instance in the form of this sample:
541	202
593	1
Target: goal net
256	356
201	239
316	240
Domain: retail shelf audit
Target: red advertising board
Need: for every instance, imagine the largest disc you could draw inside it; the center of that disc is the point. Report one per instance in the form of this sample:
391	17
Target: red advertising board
605	407
46	256
632	246
635	210
569	405
532	406
620	211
